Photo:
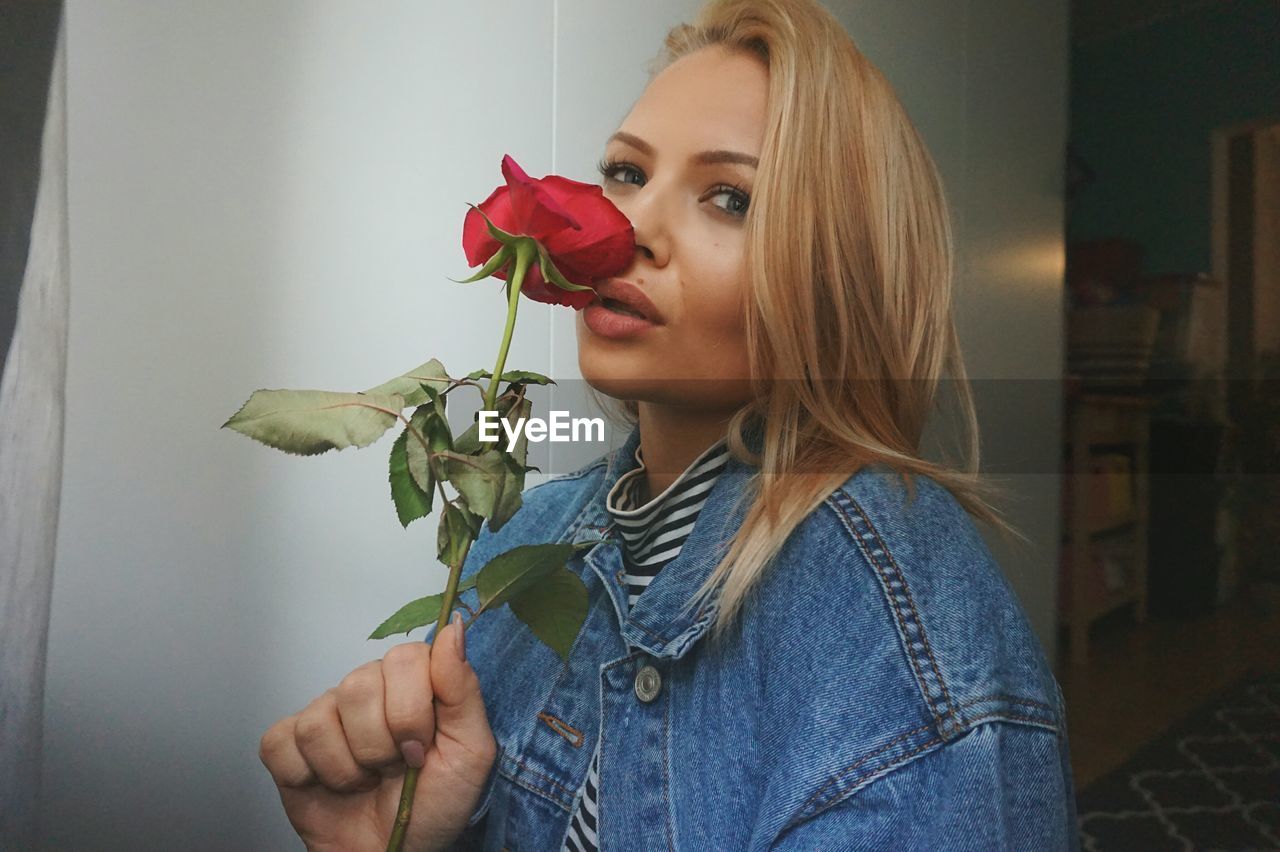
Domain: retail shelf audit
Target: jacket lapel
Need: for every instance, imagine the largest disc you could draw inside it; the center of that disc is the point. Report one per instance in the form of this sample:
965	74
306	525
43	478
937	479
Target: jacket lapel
663	622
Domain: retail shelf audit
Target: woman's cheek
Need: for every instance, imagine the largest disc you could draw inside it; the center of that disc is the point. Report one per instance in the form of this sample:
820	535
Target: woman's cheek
722	313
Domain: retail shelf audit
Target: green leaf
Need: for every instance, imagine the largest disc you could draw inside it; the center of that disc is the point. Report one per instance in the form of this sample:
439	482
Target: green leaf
488	482
308	422
509	574
474	520
417	613
479	478
417	455
492	265
520	452
468	442
524	377
496	232
454	536
438	435
438	403
411	500
420	613
511	497
429	422
554	609
410	385
493	479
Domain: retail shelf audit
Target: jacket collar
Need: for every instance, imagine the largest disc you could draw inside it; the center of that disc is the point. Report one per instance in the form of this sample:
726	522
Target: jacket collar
661	623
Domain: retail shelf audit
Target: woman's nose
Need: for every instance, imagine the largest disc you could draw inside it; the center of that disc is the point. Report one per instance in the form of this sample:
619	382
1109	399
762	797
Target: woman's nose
651	223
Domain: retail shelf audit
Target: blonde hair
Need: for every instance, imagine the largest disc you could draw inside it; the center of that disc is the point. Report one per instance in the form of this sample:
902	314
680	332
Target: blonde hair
849	318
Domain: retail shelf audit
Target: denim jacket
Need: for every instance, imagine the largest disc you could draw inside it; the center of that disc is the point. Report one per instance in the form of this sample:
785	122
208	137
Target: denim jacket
883	691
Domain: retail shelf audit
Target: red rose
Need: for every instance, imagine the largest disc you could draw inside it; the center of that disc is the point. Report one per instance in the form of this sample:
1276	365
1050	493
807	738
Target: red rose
583	234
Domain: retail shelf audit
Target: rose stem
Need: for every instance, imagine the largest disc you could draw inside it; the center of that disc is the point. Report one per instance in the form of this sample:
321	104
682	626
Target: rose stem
405	810
524	255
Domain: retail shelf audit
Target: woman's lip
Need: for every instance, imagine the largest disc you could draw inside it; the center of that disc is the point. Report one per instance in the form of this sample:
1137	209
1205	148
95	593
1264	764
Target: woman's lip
613	324
628	294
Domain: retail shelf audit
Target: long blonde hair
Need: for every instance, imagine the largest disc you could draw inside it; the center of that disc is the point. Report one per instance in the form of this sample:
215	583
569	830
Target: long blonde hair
849	323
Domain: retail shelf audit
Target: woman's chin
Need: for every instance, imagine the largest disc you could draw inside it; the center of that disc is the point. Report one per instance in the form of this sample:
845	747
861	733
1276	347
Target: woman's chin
622	372
625	386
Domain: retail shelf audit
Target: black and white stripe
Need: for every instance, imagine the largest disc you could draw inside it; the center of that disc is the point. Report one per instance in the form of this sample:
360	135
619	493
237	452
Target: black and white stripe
654	531
652	534
582	831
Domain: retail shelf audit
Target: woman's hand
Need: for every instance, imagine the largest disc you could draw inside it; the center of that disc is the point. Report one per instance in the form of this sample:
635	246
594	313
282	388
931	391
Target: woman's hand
339	763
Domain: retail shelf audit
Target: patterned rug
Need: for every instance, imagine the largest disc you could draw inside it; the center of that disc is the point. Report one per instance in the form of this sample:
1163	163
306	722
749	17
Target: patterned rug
1212	782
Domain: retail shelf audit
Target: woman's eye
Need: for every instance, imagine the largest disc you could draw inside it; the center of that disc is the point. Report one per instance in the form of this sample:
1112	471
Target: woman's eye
607	168
737	197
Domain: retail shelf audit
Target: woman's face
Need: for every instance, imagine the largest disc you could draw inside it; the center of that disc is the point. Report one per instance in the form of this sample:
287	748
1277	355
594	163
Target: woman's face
672	168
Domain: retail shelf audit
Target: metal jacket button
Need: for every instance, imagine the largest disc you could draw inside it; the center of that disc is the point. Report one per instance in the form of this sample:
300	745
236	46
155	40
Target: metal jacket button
648	683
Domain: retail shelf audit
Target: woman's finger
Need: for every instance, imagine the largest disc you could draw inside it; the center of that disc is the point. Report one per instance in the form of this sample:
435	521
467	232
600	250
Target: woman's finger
279	753
360	699
460	711
323	744
410	713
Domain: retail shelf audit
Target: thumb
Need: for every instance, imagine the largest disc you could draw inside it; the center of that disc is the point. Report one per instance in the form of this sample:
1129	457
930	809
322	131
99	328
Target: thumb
459	704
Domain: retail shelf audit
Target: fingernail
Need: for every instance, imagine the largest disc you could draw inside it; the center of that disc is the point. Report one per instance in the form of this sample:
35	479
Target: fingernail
462	636
413	753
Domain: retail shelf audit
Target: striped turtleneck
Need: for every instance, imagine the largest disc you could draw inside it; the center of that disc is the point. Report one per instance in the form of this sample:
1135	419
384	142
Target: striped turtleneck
652	533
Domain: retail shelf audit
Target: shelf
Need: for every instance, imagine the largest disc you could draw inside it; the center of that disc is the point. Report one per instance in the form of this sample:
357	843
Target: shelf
1098	427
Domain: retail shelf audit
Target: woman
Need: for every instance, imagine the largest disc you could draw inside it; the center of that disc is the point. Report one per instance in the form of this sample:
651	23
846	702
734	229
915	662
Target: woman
792	645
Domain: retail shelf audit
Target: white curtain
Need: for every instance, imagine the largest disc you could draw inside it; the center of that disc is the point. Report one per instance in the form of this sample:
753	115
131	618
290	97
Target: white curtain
32	393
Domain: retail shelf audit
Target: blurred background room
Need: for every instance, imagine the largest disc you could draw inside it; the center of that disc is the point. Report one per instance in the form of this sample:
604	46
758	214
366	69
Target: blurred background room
1169	603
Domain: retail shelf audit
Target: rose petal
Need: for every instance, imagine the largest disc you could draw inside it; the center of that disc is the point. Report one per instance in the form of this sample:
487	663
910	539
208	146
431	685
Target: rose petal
585	235
536	212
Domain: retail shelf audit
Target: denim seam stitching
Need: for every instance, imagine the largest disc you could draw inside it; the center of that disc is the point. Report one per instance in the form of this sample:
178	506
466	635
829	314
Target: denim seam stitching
883	769
662	636
1001	715
896	605
546	794
580	520
666	752
623	661
568	477
924	637
954	708
895	597
1012	699
1050	718
801	815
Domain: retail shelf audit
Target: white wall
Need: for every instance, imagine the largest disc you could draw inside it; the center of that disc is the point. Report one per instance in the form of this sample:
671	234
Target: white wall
270	195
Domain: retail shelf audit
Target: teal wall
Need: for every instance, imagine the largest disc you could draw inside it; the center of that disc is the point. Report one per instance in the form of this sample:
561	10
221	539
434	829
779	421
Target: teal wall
1143	105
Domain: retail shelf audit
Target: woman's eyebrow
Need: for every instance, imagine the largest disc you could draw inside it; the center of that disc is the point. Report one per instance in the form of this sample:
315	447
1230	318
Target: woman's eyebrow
702	158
